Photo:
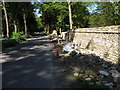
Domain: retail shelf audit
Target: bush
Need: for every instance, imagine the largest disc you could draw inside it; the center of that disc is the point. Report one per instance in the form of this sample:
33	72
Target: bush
16	35
19	36
15	39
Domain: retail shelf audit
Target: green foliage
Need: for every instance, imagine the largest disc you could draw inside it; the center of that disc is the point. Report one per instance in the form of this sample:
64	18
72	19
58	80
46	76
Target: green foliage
76	77
107	14
53	14
18	36
17	18
74	27
80	14
39	22
15	39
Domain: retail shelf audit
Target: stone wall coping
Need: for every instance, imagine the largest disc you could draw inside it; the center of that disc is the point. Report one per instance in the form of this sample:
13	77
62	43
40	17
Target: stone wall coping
95	31
101	28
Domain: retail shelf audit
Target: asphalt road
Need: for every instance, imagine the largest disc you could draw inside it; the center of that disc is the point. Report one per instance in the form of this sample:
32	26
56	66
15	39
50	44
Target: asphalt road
32	64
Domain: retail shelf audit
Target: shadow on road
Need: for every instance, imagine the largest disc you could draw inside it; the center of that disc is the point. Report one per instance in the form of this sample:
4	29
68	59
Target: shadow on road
32	64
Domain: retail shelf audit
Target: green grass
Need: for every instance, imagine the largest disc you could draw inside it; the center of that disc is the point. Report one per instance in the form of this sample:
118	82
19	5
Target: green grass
76	77
15	39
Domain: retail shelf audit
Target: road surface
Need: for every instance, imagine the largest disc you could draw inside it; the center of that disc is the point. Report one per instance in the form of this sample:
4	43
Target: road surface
32	64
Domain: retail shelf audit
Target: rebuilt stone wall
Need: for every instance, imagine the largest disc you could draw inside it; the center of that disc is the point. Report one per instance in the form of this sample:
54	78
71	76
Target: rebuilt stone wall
102	41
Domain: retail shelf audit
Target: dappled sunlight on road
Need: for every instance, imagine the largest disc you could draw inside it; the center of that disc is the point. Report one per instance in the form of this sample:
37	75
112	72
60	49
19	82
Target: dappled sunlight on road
5	58
32	64
20	58
13	52
26	71
29	64
45	75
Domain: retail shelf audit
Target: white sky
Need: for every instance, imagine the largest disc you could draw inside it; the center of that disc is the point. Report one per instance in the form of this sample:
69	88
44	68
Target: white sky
37	13
92	8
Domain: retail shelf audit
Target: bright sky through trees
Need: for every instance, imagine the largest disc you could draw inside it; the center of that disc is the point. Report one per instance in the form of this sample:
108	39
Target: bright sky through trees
90	8
37	13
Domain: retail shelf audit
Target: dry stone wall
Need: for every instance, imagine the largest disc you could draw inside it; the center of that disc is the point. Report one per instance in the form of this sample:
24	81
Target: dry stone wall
102	41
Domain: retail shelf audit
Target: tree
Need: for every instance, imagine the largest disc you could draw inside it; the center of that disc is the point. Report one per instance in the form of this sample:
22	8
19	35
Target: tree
106	14
22	21
53	14
6	19
70	20
70	14
80	14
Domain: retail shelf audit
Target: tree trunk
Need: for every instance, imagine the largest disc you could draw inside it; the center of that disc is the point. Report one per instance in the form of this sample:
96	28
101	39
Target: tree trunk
45	29
15	27
48	29
6	19
70	20
24	18
60	31
70	15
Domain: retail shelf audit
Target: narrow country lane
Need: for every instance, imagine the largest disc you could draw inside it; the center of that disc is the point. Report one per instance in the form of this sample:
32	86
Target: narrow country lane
31	65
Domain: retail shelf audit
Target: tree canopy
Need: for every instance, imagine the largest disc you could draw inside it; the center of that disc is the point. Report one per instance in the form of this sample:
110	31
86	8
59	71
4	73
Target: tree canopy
107	13
15	13
55	15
